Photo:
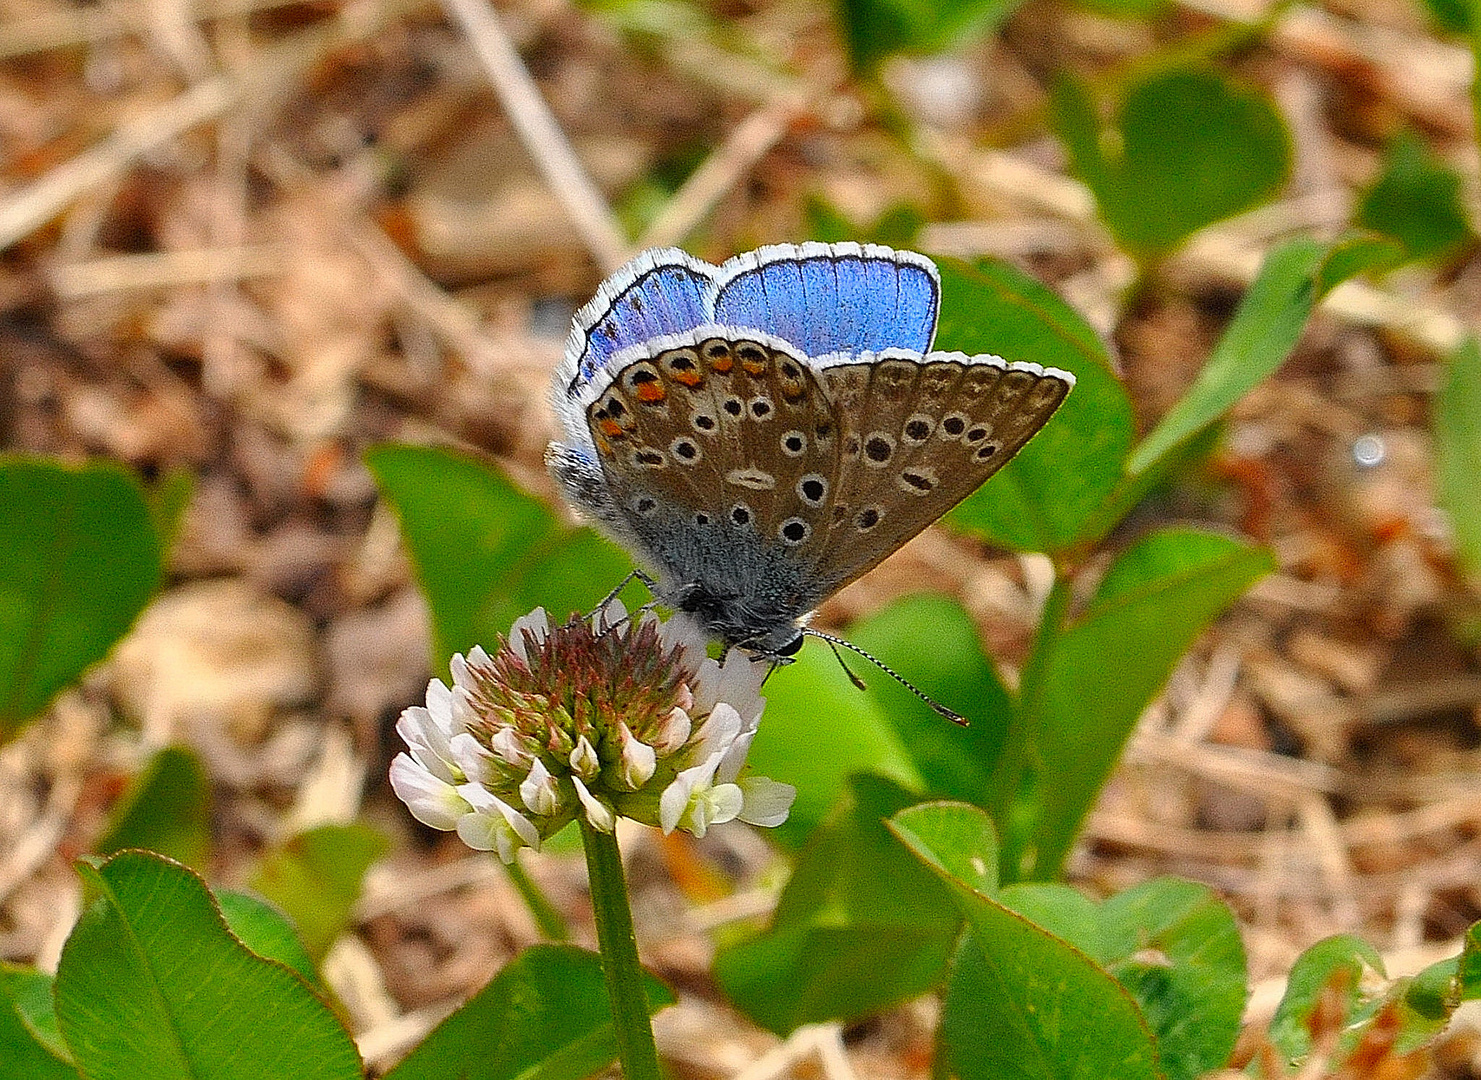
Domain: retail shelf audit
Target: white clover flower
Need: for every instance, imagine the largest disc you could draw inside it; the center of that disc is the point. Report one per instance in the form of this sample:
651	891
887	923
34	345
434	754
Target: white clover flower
612	718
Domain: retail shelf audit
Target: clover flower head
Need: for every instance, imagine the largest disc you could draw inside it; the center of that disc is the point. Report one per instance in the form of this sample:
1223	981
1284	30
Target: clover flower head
605	718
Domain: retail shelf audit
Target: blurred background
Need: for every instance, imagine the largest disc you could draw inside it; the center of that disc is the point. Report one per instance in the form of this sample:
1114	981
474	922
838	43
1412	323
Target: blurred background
241	241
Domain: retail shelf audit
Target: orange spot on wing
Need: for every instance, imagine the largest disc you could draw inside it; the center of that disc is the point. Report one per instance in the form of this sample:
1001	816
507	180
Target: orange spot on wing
610	428
753	367
723	364
688	378
651	392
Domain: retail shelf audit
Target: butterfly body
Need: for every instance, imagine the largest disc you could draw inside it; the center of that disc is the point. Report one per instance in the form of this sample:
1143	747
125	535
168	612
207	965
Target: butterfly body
764	432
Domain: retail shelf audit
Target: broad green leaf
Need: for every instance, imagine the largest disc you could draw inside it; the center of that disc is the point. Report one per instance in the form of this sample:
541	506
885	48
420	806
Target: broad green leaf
1468	971
1191	148
876	29
1416	200
932	642
1451	15
485	552
860	926
1049	497
166	809
151	983
267	932
546	1016
1458	452
31	1047
315	878
169	498
1109	664
1020	1001
1172	945
1356	254
1258	340
818	728
1176	948
1335	962
79	559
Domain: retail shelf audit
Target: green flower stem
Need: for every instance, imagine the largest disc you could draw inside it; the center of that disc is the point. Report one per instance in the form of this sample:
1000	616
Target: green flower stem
635	1048
552	926
1020	758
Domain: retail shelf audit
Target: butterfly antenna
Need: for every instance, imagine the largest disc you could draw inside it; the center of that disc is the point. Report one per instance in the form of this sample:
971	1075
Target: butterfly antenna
835	642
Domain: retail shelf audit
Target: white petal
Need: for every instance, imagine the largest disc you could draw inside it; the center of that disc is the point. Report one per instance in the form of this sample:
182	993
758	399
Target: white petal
638	759
536	622
477	658
768	802
741	679
489	832
673	731
682	630
677	799
673	802
723	803
538	791
610	615
459	667
719	730
486	802
598	814
584	760
428	743
734	757
471	757
431	801
510	748
440	704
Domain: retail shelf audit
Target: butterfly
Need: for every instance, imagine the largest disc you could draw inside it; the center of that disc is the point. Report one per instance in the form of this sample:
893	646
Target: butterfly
763	432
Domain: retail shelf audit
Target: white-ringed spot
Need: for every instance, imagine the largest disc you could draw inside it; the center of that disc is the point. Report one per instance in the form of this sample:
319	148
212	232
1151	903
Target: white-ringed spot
868	518
917	429
918	480
953	424
794	531
879	447
740	515
685	450
812	489
794	444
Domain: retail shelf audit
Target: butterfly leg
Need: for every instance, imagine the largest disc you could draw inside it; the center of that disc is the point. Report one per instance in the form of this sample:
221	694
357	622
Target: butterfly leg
636	574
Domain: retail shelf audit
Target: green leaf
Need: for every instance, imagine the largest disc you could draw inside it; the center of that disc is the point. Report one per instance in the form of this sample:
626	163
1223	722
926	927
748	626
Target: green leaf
1258	340
876	29
151	983
1020	1001
1451	15
484	552
859	927
1458	452
315	877
546	1016
1356	254
166	809
1176	947
169	498
817	730
267	932
31	1047
1335	962
1416	200
79	559
1108	665
1049	497
933	643
1468	971
1191	148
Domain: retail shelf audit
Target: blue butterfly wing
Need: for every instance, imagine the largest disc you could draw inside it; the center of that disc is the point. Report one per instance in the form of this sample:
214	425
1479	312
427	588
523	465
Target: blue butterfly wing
831	298
663	291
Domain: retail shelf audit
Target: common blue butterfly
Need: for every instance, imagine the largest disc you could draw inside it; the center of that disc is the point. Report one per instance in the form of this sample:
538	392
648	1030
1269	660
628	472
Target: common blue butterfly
763	432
